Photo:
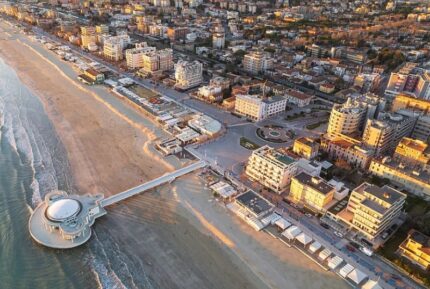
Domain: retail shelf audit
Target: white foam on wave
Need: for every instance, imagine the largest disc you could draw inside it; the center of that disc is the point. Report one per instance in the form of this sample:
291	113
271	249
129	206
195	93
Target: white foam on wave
105	276
22	135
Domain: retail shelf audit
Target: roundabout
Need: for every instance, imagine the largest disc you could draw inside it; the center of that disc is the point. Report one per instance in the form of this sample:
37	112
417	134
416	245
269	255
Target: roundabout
273	133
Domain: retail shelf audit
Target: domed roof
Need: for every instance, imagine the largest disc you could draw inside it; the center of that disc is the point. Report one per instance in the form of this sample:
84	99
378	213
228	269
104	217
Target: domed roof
63	209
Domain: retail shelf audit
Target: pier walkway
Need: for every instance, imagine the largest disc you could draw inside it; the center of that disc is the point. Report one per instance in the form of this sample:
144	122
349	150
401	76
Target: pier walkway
152	184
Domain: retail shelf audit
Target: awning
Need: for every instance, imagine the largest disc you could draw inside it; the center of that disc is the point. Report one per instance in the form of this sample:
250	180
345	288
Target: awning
357	276
346	270
324	254
371	285
334	262
304	239
315	246
282	223
291	232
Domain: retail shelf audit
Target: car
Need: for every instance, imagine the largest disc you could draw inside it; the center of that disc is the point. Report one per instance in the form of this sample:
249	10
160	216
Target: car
339	234
366	251
324	225
385	235
350	248
308	215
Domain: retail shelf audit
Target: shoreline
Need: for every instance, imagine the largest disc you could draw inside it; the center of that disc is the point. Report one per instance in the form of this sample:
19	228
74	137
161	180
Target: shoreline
77	135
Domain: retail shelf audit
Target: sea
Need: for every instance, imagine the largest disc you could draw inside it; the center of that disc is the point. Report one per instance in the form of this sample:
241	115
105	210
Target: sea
33	162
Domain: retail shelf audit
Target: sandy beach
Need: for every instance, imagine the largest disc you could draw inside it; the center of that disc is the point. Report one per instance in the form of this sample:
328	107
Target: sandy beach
177	235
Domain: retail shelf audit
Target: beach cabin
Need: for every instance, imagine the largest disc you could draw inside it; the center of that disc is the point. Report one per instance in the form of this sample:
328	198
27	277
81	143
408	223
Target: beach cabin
324	254
345	270
371	285
334	262
282	224
304	239
291	233
357	276
314	247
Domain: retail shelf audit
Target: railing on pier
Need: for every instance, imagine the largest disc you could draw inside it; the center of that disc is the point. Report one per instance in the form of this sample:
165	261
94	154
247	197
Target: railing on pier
152	184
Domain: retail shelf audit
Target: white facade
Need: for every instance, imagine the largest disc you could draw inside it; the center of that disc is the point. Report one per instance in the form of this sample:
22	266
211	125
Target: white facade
271	168
255	108
113	46
188	74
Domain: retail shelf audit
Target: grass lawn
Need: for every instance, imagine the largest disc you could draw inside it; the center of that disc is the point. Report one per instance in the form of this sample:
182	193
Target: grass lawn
316	125
246	143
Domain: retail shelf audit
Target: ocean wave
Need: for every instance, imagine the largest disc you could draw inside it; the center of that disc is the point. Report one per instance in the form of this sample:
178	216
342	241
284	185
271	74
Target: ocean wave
105	276
21	133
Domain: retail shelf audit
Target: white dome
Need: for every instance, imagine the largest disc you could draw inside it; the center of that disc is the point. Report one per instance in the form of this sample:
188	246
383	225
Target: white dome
63	209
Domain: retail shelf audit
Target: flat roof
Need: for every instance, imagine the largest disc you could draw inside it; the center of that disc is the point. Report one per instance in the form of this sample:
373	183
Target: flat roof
254	202
317	183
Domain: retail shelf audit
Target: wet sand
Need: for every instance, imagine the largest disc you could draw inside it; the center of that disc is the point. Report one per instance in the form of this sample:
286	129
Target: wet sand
172	237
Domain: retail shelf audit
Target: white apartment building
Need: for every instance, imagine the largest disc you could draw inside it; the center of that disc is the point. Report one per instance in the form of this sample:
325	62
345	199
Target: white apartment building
413	84
113	46
257	62
134	56
218	40
188	74
384	134
271	168
372	209
346	119
256	108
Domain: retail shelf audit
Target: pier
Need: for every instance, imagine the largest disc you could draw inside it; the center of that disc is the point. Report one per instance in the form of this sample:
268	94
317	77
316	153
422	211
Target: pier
152	184
64	221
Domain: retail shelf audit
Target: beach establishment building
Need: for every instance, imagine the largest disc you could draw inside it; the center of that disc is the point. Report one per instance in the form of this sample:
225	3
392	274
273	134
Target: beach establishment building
92	76
64	221
311	191
205	125
416	248
255	205
271	168
372	209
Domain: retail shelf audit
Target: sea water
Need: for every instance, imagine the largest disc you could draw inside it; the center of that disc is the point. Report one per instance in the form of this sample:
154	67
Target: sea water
33	162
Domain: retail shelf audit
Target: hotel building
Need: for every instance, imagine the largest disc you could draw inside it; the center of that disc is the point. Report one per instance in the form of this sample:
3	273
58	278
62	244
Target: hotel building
113	47
257	62
256	108
188	74
372	209
311	191
271	168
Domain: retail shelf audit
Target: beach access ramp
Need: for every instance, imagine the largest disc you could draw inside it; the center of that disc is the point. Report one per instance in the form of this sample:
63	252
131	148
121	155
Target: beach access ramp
152	184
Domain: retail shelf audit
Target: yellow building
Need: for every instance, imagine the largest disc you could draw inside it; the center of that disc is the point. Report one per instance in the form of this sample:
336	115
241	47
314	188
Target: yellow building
409	102
313	192
416	248
306	147
413	150
406	174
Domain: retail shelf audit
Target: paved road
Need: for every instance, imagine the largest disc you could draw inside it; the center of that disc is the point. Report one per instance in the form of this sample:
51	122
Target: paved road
308	224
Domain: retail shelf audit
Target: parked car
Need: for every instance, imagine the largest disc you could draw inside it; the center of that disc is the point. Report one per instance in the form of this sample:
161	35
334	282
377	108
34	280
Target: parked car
366	251
324	225
350	248
339	234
